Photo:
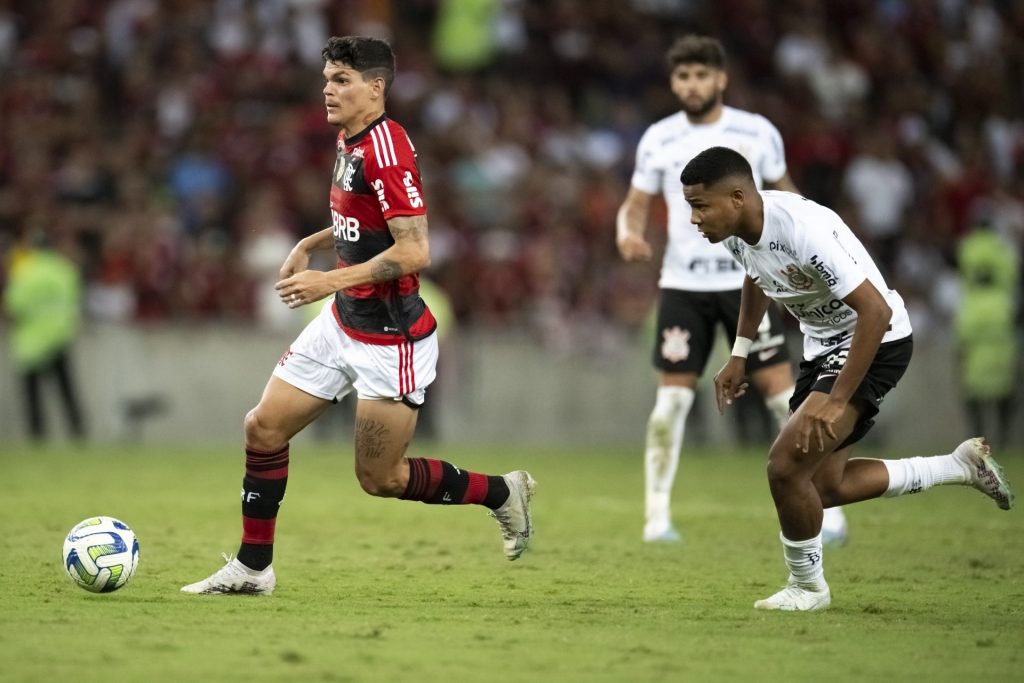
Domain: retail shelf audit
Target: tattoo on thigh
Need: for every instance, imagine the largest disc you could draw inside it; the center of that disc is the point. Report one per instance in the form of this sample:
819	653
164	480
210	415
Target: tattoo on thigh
371	438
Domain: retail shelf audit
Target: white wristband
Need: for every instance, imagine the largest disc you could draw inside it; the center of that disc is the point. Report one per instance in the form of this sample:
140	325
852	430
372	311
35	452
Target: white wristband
741	348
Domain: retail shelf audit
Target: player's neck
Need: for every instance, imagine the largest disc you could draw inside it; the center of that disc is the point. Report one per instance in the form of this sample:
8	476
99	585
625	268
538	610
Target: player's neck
705	119
361	123
752	223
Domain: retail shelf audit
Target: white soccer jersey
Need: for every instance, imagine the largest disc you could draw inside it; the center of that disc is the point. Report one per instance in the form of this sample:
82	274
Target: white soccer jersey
691	262
808	260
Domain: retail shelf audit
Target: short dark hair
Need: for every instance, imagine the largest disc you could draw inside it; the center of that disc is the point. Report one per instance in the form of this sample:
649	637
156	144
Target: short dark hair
371	57
714	164
694	49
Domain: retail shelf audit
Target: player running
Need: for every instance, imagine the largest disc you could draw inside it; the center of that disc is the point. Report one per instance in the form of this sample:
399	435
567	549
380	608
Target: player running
374	334
857	345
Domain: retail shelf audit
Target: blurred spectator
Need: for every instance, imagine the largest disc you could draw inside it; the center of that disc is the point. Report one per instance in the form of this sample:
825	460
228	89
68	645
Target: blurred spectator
266	239
149	130
43	299
985	333
882	192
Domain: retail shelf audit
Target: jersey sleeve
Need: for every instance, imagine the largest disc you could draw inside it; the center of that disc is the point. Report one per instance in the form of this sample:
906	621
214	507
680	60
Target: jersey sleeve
394	174
773	162
827	260
647	176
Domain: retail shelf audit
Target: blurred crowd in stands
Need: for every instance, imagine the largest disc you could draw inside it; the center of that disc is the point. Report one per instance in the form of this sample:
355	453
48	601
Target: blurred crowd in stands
176	149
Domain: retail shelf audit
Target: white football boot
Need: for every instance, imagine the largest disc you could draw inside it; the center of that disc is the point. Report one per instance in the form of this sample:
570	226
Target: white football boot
514	515
834	530
793	598
986	474
660	531
235	577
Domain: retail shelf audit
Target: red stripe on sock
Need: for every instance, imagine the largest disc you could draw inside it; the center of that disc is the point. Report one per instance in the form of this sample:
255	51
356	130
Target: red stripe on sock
258	530
477	489
279	473
417	478
436	471
257	462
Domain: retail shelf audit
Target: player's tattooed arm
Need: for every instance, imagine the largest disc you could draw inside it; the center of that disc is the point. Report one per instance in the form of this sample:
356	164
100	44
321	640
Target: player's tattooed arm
409	254
384	270
411	228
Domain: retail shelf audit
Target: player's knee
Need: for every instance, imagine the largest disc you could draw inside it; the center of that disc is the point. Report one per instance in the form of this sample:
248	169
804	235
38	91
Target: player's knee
261	436
782	470
379	484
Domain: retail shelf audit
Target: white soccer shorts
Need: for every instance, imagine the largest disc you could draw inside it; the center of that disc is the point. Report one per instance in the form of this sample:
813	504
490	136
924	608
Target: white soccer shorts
326	362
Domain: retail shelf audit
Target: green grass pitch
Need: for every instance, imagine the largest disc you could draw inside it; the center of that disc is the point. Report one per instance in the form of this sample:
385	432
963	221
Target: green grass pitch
928	589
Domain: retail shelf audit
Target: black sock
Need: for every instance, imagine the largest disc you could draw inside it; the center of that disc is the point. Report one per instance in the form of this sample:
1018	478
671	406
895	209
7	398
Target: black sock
266	477
437	482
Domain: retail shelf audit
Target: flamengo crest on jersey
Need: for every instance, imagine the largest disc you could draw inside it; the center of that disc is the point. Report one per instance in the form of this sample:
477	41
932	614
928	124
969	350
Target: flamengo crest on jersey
376	178
691	262
809	260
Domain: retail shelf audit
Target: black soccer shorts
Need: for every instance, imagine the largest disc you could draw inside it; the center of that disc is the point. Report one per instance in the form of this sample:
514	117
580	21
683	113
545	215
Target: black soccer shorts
819	374
686	331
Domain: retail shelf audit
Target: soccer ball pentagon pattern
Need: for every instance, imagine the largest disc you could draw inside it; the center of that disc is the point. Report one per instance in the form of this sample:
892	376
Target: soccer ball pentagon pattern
101	554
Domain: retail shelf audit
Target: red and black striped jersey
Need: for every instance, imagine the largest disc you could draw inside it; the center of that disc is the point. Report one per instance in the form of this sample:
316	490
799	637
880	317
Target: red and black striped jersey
376	177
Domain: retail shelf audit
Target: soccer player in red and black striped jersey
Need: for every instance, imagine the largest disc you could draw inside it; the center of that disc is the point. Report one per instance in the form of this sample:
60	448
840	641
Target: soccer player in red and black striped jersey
374	334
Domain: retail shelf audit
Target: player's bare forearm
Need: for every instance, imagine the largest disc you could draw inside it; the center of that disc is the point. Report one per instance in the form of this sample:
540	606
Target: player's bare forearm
409	254
318	241
297	260
753	305
631	224
873	317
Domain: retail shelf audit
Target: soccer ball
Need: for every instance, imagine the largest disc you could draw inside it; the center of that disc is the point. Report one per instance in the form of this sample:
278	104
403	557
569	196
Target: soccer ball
101	554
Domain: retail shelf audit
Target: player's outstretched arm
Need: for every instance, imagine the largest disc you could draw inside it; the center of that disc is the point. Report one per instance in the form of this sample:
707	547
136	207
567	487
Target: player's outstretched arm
630	225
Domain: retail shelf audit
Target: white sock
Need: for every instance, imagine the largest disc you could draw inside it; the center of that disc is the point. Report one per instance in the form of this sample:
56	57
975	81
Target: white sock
778	406
804	561
665	430
913	475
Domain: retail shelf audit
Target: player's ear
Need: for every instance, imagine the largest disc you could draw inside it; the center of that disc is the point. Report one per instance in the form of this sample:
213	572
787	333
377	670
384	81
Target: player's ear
722	79
378	86
737	196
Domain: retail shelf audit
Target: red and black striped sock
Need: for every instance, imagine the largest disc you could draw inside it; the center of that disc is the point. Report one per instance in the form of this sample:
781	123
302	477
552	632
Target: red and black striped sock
266	476
437	482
